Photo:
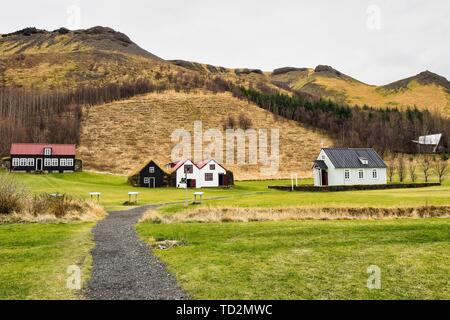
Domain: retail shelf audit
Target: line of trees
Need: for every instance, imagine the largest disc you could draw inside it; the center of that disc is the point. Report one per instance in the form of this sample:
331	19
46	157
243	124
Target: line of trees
386	130
426	165
28	115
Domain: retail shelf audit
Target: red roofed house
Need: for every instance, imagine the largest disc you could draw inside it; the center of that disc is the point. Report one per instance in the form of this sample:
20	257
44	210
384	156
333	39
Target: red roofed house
28	157
207	173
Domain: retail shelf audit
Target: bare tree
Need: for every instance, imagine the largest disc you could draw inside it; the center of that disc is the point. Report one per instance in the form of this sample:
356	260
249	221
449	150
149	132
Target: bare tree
401	168
425	164
441	169
391	169
412	171
244	122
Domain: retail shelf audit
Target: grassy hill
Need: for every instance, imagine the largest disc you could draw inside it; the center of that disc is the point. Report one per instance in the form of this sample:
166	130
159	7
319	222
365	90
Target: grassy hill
426	90
120	137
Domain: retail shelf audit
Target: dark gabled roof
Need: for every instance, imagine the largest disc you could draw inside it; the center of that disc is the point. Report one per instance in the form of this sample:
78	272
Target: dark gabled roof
350	157
320	164
142	167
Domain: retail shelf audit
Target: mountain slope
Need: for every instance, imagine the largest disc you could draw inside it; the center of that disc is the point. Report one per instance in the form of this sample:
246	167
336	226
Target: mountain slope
119	137
426	90
62	58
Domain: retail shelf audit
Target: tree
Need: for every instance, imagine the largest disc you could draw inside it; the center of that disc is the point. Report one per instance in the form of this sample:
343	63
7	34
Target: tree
412	170
425	164
391	169
441	169
401	169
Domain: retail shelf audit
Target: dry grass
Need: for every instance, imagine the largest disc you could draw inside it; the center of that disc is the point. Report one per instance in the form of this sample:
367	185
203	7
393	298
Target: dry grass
235	214
121	136
353	92
84	211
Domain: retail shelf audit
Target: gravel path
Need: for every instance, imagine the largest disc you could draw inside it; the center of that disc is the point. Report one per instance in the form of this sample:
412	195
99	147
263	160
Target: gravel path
123	266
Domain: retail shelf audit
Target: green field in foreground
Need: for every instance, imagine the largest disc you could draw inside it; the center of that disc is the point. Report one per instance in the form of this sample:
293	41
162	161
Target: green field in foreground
34	259
115	190
308	259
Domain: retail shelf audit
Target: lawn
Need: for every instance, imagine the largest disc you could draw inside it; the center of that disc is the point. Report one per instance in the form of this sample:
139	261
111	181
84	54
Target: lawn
308	259
115	190
34	259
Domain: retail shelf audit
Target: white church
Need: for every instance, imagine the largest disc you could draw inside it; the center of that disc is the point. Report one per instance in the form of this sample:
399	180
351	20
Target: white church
349	167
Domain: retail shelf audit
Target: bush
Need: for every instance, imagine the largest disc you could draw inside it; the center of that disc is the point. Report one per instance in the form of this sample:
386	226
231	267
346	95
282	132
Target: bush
13	195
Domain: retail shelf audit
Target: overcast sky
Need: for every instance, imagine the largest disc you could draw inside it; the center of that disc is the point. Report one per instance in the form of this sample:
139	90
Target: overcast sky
377	41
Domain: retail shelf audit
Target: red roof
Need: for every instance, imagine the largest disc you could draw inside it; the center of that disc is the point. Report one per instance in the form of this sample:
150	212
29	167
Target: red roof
38	149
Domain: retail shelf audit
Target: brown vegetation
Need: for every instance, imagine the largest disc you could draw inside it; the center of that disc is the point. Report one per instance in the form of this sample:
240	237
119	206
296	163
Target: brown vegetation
17	204
235	214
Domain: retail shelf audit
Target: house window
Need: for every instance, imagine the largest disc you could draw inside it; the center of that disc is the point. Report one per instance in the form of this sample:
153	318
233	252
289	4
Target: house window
63	162
375	174
151	169
69	162
55	162
146	180
347	174
188	168
48	151
361	174
212	167
15	162
23	162
208	177
47	162
30	162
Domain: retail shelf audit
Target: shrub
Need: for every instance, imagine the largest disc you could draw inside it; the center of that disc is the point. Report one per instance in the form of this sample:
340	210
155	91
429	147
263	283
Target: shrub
13	195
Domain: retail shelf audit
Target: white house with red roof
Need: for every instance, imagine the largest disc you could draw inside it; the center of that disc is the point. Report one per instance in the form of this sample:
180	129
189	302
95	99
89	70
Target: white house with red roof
29	157
207	173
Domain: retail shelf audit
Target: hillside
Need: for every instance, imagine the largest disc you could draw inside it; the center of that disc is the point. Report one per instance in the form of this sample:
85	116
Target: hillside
121	136
63	58
425	90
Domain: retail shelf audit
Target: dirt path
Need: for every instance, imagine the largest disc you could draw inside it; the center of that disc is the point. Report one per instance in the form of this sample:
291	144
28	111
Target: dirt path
123	266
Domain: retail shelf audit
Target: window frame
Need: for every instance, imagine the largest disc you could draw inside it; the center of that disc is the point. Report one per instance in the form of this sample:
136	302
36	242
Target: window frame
209	174
30	162
15	162
69	162
63	162
151	169
361	174
375	174
47	162
346	174
212	166
47	151
190	166
55	162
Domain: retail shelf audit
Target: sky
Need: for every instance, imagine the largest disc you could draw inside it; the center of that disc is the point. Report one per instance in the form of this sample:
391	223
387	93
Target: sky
377	41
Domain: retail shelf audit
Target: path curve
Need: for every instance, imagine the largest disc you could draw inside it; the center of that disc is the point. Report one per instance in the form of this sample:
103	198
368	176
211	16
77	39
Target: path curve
124	267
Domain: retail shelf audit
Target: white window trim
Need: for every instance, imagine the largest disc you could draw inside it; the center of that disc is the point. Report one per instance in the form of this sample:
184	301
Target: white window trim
69	162
374	174
16	162
151	169
48	151
146	180
359	174
47	162
55	162
345	175
63	162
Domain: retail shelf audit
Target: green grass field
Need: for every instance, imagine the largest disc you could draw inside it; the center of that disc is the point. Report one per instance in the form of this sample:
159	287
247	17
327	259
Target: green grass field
34	259
308	259
115	190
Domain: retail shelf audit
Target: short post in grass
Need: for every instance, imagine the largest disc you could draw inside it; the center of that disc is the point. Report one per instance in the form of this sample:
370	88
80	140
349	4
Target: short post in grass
130	195
95	194
294	176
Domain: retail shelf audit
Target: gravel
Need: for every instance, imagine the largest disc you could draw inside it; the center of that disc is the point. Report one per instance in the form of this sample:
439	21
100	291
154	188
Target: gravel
124	267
